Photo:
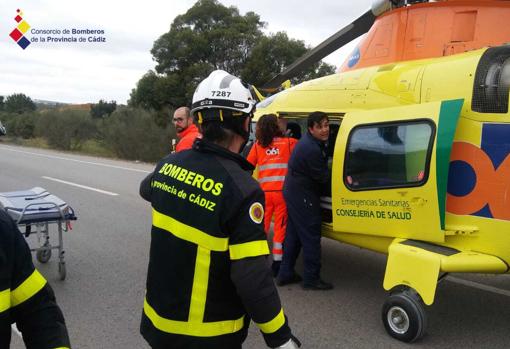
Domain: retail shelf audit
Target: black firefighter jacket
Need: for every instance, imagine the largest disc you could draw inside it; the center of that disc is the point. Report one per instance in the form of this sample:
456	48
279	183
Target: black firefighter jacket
208	273
25	297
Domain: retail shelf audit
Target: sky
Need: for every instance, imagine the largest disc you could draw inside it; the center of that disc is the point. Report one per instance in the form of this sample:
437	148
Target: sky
85	72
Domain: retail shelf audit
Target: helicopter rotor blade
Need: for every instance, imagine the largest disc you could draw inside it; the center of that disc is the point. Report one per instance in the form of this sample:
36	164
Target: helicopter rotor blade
358	27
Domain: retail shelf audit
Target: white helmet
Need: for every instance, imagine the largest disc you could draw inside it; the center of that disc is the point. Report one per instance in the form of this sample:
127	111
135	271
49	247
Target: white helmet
220	90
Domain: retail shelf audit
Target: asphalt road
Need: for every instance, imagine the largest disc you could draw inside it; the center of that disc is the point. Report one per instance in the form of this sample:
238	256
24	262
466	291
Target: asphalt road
107	254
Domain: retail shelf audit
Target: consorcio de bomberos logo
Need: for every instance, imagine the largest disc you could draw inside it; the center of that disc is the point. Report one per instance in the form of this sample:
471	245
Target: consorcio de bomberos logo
54	35
18	34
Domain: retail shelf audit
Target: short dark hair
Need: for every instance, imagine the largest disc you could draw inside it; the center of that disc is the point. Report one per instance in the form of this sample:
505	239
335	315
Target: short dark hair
221	132
315	118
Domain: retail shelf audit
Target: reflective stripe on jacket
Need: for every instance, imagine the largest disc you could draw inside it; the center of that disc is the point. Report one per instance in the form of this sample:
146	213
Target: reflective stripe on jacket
208	274
272	162
25	296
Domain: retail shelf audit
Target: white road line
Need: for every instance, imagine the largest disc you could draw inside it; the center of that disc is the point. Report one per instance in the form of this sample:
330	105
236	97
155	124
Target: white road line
15	330
80	186
69	159
478	286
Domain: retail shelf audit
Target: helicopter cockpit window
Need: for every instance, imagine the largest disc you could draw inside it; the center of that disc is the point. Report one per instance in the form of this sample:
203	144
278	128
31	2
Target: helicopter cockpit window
388	155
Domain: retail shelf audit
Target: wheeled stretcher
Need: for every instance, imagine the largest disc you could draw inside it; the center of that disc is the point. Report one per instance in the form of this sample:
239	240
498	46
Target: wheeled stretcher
38	208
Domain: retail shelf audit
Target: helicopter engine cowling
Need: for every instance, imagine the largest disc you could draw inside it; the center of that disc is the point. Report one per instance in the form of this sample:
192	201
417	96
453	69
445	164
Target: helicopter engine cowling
380	6
492	81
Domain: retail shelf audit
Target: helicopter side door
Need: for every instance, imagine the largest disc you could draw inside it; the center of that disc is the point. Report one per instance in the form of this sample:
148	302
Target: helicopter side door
390	170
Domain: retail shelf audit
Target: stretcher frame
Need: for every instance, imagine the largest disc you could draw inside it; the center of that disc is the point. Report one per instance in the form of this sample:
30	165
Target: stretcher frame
41	213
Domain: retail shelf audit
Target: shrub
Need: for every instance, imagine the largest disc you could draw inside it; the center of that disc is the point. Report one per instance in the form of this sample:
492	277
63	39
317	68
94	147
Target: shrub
132	134
25	125
19	125
66	130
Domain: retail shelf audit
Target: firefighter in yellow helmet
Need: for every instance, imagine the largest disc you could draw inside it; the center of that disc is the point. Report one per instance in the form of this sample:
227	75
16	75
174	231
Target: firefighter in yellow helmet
208	270
25	297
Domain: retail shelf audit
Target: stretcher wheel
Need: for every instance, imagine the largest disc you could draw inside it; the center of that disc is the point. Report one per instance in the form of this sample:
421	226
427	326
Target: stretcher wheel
62	270
404	316
43	256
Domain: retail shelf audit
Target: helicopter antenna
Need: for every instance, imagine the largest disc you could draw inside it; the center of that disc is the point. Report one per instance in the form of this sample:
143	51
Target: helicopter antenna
350	32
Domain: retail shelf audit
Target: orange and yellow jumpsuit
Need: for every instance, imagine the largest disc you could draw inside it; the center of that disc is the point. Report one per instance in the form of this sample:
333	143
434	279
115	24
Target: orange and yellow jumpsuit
272	169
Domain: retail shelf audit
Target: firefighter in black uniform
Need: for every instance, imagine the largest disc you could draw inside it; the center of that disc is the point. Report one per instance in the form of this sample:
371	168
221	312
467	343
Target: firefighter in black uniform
25	297
307	179
208	274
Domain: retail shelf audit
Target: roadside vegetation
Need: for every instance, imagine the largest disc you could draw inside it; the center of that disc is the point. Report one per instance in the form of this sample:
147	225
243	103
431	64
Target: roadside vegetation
208	36
125	133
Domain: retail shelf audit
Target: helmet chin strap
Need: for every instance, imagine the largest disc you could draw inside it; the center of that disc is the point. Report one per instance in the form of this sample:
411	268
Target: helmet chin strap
246	135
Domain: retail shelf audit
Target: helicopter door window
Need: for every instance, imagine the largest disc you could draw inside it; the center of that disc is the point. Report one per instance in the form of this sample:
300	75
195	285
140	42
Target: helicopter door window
334	127
294	130
388	155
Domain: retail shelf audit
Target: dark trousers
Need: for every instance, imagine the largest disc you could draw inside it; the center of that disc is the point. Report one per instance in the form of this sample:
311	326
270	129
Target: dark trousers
303	231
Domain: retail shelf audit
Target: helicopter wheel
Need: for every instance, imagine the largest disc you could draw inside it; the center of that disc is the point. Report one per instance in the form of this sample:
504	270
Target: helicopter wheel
404	316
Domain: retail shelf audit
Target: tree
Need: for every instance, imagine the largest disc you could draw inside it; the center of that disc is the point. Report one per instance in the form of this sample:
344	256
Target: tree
19	103
155	92
160	94
208	36
102	109
273	54
211	36
318	70
2	103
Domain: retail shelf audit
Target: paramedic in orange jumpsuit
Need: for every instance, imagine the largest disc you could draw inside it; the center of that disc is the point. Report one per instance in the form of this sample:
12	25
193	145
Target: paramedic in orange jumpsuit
271	153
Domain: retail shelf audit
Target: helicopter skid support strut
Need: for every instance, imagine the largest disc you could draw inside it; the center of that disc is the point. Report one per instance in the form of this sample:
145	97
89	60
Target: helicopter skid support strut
413	271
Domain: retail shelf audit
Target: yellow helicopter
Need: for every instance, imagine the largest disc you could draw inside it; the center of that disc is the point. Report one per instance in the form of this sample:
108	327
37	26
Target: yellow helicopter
421	132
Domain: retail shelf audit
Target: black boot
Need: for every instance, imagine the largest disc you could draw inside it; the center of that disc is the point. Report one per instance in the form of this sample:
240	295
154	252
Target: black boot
319	285
293	280
275	267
